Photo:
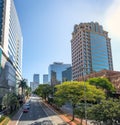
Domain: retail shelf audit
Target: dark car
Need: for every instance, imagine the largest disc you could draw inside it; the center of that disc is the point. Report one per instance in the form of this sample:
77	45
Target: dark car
25	108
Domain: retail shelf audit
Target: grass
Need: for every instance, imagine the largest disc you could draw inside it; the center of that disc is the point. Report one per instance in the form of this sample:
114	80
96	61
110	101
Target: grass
5	119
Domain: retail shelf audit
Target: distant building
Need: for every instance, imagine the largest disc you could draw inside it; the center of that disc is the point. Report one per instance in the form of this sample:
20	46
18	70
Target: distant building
67	74
55	72
45	78
112	76
36	78
91	49
35	82
11	42
33	86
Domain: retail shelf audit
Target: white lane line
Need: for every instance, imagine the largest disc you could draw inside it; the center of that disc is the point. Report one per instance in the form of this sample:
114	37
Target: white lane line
53	111
19	118
45	112
50	109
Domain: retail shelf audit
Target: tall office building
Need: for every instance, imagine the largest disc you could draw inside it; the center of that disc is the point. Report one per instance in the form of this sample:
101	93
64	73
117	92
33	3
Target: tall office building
33	86
91	49
45	78
36	81
67	74
10	47
36	78
55	72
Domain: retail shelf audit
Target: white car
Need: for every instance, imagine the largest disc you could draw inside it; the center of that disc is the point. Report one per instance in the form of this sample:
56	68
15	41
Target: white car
26	105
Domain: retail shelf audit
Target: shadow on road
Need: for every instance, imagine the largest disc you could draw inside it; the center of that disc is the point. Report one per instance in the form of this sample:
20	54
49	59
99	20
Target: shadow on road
45	122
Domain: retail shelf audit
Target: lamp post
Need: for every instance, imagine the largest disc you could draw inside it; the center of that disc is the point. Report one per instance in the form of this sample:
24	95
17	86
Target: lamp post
85	98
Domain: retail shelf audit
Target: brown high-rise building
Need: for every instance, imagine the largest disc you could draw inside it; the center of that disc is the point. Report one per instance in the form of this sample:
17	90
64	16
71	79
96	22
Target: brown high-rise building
91	49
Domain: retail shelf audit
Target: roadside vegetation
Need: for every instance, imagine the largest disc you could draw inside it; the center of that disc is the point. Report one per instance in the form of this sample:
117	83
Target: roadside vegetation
12	102
101	105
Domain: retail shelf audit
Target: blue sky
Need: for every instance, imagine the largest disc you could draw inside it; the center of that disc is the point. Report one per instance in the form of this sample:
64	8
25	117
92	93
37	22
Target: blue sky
47	26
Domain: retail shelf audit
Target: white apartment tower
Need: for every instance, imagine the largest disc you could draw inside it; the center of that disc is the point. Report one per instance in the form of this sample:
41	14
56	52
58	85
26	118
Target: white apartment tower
11	42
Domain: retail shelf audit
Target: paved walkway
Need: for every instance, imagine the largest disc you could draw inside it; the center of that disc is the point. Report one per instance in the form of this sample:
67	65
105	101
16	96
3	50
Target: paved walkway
64	116
15	118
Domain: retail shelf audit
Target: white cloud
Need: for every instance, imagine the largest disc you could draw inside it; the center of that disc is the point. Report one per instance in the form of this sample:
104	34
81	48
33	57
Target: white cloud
112	19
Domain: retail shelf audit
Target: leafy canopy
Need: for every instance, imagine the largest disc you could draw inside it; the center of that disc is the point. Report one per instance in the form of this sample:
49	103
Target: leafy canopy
43	90
107	110
104	83
75	92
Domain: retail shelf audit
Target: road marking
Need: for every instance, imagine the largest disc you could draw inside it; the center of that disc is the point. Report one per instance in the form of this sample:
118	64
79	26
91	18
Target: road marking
45	112
19	118
50	109
53	111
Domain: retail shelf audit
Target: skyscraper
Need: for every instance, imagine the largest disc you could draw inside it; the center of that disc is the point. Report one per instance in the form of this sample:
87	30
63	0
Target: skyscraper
67	74
91	49
35	82
11	41
55	72
45	78
36	78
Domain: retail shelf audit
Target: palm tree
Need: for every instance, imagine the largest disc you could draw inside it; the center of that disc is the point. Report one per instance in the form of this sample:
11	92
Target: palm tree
28	91
23	85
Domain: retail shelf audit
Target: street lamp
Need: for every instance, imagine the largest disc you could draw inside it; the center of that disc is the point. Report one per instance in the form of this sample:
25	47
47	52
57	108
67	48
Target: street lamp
85	98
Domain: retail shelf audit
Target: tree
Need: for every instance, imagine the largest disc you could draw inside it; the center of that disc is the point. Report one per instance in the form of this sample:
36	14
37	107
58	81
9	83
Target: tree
23	85
10	101
107	111
103	83
44	90
74	92
80	112
28	91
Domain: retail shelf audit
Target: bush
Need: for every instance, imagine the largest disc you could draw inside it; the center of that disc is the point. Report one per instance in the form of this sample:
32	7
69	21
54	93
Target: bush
2	118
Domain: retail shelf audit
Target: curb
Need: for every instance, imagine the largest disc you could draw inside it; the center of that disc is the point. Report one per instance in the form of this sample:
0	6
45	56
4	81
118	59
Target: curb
62	116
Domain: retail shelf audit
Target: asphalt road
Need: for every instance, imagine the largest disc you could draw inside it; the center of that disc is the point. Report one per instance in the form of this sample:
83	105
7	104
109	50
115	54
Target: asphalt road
40	114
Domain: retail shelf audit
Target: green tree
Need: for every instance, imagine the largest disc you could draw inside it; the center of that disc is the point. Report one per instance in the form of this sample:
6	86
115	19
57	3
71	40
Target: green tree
80	112
103	83
74	92
23	85
44	90
28	91
107	111
10	101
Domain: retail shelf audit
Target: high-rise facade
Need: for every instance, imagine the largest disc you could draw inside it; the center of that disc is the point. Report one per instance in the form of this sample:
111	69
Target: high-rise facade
33	86
91	49
55	72
36	78
45	78
67	74
11	41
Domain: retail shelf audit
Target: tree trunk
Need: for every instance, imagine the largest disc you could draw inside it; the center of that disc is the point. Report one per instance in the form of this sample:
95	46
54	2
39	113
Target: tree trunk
22	90
81	121
73	116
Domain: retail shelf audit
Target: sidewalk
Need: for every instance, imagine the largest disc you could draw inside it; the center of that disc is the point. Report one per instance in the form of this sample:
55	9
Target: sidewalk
66	117
15	118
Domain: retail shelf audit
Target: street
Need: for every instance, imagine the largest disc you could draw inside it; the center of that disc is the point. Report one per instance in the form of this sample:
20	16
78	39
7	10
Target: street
40	114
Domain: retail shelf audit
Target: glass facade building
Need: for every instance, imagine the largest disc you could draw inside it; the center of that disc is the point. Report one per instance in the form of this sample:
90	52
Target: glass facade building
36	78
1	19
55	72
67	74
11	42
91	49
45	78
